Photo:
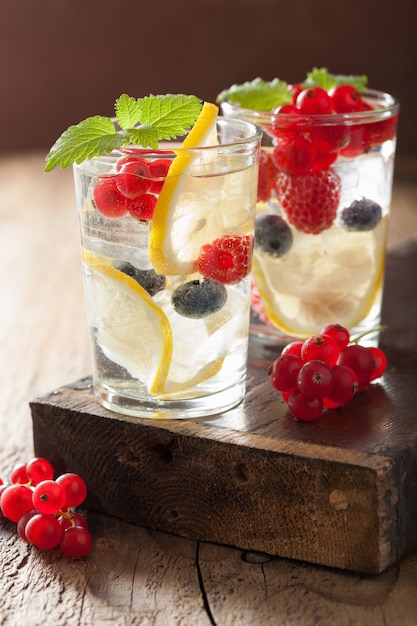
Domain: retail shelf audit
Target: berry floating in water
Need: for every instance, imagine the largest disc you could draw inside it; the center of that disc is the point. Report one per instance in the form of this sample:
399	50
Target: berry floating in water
272	234
361	215
198	299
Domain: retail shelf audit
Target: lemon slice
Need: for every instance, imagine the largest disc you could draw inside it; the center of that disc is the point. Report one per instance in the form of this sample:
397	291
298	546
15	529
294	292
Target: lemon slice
201	199
131	329
164	250
334	277
201	346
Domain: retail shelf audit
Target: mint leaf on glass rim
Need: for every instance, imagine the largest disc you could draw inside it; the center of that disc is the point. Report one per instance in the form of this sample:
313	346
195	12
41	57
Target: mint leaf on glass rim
258	94
93	136
321	77
172	116
142	121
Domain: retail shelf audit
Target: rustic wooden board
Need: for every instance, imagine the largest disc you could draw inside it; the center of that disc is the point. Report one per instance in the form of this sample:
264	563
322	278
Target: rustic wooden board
340	491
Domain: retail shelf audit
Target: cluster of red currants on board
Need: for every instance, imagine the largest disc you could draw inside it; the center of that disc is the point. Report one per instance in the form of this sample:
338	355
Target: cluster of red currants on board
324	371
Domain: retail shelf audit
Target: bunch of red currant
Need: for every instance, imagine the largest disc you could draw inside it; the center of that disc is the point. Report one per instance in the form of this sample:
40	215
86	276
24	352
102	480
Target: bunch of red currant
43	507
324	372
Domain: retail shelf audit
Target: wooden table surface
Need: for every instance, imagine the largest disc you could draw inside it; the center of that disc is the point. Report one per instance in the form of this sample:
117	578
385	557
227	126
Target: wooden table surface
134	575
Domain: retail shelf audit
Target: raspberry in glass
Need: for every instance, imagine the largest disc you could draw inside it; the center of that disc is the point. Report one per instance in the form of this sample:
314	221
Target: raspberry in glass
226	259
310	200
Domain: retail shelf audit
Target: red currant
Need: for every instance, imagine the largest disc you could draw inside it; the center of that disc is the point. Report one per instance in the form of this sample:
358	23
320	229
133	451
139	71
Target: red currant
322	347
21	524
314	101
345	386
15	501
76	542
49	497
159	171
72	519
303	408
339	333
39	469
142	208
108	200
133	179
346	99
43	531
293	348
380	362
361	360
293	153
315	379
74	487
19	474
284	372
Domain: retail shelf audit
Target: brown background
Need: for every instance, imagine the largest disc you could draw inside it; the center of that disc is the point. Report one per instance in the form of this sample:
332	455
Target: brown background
63	60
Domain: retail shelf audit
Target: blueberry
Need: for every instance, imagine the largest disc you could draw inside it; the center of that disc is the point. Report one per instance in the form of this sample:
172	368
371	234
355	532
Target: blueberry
362	214
197	299
272	234
148	279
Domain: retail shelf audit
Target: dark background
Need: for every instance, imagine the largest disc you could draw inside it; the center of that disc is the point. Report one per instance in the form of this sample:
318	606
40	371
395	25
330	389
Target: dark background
64	60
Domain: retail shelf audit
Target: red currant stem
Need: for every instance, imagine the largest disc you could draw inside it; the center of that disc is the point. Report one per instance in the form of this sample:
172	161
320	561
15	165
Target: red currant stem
377	329
68	515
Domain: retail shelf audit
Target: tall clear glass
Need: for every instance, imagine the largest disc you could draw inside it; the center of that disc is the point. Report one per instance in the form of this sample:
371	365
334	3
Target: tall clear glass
167	241
323	207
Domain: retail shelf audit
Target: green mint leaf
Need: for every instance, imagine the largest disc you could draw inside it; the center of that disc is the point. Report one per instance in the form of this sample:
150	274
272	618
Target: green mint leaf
171	115
258	95
146	136
91	137
143	122
321	77
127	111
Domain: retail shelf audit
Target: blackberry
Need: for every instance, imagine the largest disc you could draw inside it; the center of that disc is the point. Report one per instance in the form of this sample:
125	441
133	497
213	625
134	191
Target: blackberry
198	299
272	234
361	215
148	279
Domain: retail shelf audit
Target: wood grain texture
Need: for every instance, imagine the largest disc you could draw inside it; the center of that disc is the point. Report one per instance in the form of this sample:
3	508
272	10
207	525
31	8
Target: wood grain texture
136	576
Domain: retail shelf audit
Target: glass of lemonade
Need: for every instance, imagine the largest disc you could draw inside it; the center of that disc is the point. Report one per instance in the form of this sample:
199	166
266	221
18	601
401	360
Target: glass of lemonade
167	241
323	205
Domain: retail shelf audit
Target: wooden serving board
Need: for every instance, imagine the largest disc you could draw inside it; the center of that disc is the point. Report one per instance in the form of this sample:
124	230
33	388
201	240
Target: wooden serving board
340	491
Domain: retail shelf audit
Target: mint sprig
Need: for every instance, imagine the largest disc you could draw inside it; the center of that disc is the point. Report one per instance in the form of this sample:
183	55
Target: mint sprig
321	77
258	94
142	122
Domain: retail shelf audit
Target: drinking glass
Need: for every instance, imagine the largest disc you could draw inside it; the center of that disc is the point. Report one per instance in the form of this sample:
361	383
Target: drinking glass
167	241
323	207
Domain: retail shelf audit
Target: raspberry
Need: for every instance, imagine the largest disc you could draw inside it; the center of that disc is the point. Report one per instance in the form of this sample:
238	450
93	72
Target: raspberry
226	259
266	178
310	200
